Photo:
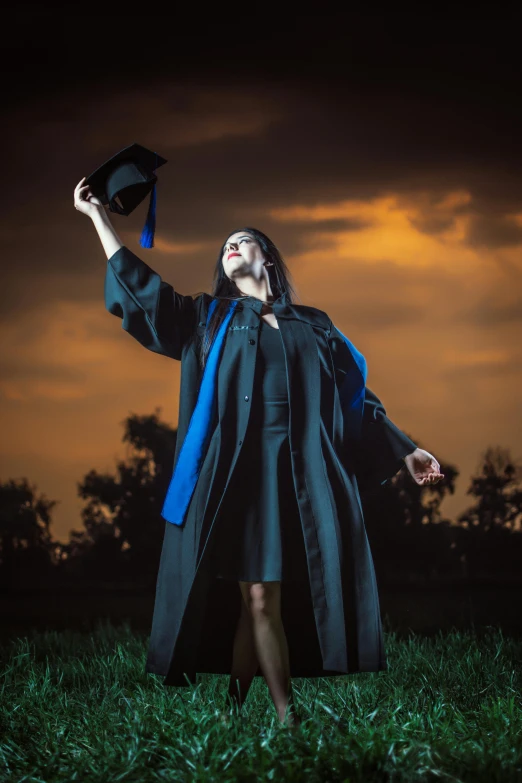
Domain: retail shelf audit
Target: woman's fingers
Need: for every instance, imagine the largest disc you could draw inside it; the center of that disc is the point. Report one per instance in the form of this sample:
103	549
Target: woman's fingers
84	199
83	194
432	478
436	477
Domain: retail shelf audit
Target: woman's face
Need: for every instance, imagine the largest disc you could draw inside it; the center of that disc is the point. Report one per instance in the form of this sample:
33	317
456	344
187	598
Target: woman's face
243	257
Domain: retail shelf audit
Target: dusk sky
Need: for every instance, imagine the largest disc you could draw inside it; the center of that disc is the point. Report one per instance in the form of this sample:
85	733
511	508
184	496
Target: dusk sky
384	160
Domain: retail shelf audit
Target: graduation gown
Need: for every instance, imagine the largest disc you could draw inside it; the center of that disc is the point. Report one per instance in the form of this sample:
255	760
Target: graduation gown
332	622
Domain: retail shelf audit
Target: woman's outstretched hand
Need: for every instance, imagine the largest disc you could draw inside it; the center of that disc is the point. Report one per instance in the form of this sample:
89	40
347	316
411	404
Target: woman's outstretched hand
423	467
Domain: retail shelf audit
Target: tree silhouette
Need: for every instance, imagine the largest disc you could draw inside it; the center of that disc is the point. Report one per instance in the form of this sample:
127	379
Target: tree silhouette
26	547
490	537
123	527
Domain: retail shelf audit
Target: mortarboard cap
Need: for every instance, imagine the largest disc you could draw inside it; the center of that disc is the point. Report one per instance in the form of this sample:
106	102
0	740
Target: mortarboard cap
129	176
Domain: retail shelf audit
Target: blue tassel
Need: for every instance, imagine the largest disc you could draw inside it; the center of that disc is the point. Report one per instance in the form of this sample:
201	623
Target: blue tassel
147	235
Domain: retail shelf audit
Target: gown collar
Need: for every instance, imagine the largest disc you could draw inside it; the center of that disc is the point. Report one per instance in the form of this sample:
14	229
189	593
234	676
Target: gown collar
257	305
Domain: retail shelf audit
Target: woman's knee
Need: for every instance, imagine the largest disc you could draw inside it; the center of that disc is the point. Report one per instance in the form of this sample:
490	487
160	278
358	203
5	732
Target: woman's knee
262	599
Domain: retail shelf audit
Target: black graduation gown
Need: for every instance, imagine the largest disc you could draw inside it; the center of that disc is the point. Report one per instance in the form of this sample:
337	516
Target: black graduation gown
332	623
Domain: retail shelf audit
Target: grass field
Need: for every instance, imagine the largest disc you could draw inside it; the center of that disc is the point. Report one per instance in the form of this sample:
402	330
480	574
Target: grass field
79	706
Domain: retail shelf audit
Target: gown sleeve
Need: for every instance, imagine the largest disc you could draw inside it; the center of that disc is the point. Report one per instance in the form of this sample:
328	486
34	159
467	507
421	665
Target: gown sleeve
153	313
376	453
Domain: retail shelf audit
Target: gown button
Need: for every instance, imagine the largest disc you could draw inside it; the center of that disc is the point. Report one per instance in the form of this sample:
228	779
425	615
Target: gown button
246	397
252	342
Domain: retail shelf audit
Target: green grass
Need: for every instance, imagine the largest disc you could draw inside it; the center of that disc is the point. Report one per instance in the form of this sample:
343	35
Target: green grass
79	706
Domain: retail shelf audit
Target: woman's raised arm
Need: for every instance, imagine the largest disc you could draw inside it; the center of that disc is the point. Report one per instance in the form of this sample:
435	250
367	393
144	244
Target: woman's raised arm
151	311
89	205
108	236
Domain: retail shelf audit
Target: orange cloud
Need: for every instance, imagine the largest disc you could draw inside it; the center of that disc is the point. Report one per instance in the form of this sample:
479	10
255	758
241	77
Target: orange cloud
389	232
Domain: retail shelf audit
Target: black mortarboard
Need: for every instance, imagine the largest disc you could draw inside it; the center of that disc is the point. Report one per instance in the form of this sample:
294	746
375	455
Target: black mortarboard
129	176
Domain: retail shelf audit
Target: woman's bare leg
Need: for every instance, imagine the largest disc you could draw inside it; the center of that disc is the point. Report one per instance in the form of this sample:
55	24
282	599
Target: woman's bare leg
244	658
264	601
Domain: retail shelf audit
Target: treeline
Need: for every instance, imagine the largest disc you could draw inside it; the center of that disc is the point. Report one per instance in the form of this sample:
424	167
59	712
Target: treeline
122	528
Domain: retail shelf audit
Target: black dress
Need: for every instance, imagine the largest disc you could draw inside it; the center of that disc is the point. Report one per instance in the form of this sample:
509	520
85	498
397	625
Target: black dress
259	535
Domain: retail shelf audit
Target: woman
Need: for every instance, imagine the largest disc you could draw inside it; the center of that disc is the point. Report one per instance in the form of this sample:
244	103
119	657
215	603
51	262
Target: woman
265	561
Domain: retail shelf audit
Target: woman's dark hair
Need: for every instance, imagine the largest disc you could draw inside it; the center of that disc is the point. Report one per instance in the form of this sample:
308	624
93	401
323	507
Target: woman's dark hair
224	289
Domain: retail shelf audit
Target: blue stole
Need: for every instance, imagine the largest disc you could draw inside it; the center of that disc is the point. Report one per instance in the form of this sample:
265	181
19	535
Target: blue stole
192	453
194	447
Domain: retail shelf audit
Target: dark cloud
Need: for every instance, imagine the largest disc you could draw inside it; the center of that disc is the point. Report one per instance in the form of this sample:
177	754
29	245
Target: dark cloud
482	369
490	312
34	371
433	224
330	130
492	231
293	237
